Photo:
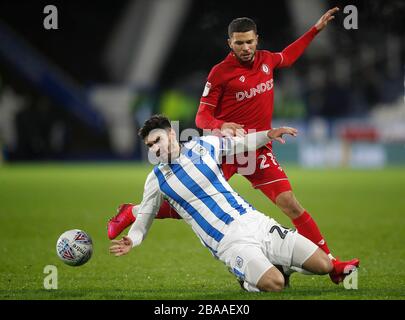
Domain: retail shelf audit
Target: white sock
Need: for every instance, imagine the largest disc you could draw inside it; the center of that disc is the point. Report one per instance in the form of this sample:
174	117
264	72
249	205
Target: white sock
331	257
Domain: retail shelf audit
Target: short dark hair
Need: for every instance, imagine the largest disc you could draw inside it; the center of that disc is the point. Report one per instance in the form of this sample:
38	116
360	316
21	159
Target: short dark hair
157	121
241	25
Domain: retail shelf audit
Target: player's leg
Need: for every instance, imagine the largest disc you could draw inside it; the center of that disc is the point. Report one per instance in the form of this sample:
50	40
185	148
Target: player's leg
126	215
292	251
243	251
274	247
301	219
318	263
166	211
310	257
307	227
278	244
272	281
252	268
271	179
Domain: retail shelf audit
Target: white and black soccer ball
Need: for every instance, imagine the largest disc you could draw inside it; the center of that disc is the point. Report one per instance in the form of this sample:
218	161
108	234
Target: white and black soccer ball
74	247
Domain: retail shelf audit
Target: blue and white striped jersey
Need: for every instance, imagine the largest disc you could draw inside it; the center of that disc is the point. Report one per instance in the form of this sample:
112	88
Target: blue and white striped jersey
195	187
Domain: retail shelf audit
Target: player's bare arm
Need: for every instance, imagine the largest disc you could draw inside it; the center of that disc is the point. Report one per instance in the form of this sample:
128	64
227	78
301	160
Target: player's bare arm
328	16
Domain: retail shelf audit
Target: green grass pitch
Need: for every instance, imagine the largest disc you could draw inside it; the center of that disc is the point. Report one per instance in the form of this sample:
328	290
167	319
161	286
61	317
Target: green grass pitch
360	212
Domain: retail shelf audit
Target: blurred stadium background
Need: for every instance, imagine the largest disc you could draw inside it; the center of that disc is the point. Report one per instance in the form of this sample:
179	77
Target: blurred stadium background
81	92
78	94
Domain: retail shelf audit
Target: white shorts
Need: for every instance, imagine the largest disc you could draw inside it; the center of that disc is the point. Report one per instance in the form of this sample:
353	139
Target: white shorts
255	242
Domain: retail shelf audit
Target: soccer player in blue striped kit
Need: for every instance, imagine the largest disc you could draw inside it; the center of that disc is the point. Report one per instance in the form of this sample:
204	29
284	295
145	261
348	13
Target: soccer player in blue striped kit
248	242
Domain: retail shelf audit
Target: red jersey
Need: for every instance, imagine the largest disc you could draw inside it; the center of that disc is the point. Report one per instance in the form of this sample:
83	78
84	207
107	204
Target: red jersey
243	93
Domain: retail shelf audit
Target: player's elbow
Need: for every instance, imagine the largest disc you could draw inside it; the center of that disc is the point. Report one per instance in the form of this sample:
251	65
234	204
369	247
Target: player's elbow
204	119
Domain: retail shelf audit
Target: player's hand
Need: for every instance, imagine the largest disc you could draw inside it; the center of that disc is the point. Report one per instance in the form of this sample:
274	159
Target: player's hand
121	247
328	16
277	133
232	129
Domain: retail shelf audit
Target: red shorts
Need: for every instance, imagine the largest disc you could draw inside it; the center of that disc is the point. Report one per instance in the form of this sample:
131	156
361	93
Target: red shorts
267	175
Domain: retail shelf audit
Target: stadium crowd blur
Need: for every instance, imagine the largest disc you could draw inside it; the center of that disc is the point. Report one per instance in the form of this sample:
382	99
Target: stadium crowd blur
80	92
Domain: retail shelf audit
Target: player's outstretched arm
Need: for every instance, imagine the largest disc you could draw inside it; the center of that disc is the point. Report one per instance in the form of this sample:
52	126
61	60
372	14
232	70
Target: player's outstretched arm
291	53
328	16
253	141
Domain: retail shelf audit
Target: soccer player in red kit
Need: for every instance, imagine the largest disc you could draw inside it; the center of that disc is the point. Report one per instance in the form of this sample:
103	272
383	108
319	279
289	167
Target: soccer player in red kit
238	97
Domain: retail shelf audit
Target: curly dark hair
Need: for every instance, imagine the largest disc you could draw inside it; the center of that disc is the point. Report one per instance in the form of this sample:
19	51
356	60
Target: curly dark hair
157	121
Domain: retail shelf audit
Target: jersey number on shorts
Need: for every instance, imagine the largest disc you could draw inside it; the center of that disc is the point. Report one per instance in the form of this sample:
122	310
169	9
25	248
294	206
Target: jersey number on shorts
282	234
263	164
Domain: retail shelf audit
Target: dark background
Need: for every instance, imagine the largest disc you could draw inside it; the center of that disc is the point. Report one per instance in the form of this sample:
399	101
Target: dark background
78	49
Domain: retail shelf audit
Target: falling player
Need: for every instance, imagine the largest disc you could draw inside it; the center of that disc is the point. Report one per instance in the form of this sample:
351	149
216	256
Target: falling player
189	177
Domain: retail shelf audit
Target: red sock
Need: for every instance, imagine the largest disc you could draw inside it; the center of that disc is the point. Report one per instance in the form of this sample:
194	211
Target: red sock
166	211
307	227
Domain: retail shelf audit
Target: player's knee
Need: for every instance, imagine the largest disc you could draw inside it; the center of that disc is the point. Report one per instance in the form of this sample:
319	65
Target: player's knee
271	282
274	285
318	263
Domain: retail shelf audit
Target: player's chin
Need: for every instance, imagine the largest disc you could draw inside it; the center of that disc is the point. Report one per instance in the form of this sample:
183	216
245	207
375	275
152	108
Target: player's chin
246	58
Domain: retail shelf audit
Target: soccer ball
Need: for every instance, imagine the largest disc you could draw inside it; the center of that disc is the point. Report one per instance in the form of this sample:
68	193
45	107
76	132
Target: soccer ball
74	247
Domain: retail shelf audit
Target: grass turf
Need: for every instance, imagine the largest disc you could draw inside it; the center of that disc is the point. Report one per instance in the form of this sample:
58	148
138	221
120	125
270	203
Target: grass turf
360	213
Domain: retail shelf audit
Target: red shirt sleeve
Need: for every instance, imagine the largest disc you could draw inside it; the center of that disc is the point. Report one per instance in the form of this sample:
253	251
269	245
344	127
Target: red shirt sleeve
213	88
205	118
212	93
290	54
